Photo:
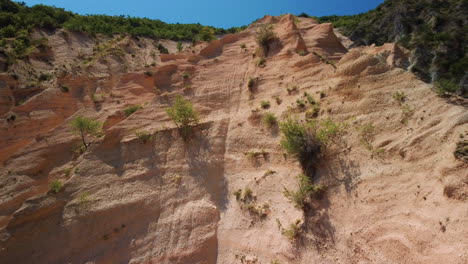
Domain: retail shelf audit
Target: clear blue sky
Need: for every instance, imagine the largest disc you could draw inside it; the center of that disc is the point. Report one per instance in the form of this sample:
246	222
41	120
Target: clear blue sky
226	13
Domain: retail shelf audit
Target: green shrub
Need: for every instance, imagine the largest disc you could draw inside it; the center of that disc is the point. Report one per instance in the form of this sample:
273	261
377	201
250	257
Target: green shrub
261	62
445	87
313	113
367	135
265	104
185	75
251	84
399	96
292	89
144	136
131	109
56	186
306	191
180	46
461	151
238	194
184	116
294	231
44	77
148	73
65	88
269	119
300	141
162	49
264	37
86	127
243	46
300	103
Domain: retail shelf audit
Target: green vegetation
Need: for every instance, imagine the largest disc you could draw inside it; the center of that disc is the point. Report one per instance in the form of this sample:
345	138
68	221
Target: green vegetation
270	120
306	141
131	109
436	32
251	84
162	49
399	96
86	127
367	135
243	46
184	116
264	37
292	89
294	231
261	62
461	151
300	103
144	136
180	46
445	87
56	186
306	191
265	104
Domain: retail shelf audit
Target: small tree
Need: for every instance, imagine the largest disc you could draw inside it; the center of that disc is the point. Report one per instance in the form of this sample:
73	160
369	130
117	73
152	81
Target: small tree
265	35
86	127
180	46
184	115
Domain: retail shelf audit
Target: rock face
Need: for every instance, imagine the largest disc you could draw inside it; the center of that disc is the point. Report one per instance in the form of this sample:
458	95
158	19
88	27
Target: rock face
171	201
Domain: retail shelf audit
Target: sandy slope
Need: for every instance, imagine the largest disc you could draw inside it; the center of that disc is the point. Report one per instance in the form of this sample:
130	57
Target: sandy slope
171	202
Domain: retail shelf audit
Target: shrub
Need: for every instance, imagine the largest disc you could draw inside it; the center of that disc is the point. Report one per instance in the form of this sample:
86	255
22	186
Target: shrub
56	186
44	77
278	100
299	141
131	109
445	87
399	96
238	194
265	104
84	127
65	88
251	84
162	49
300	103
310	99
185	75
180	46
144	136
243	46
148	73
264	37
184	116
461	151
261	62
269	119
313	113
367	135
294	231
306	191
292	89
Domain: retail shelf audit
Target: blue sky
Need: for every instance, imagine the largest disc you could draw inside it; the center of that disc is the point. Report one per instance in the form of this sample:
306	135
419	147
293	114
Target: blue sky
217	13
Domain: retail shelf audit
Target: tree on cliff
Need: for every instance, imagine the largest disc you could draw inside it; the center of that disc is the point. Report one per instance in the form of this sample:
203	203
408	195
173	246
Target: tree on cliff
184	115
86	127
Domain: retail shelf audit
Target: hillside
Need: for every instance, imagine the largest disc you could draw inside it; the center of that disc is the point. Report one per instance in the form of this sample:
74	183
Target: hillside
434	30
383	158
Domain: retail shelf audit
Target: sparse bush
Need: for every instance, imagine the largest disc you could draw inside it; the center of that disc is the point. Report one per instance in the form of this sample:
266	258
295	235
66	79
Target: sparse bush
300	103
313	113
180	46
44	77
56	186
306	191
294	231
269	119
144	136
243	46
264	37
310	99
184	116
238	194
367	135
445	87
461	151
148	73
251	84
86	127
162	49
406	113
185	75
248	194
292	89
131	109
261	62
278	100
399	96
265	104
65	88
